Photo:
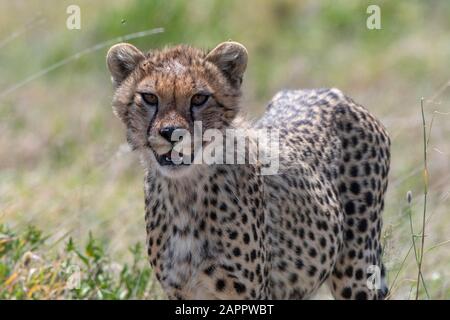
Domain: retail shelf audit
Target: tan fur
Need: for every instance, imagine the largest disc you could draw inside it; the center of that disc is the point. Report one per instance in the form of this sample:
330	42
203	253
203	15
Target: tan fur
226	231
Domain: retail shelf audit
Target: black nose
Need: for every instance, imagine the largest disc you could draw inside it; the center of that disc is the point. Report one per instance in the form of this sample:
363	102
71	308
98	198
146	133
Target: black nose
167	132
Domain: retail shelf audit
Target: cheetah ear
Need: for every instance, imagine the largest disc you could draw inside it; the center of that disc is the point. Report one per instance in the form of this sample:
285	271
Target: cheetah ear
122	59
231	58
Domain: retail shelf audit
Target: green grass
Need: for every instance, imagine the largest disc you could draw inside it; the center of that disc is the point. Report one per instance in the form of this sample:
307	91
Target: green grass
64	168
30	269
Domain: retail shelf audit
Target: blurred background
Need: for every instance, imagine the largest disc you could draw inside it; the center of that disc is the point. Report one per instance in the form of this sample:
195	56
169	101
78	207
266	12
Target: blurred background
64	165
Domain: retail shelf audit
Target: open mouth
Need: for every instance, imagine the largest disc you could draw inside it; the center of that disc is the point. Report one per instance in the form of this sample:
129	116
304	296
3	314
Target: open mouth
173	159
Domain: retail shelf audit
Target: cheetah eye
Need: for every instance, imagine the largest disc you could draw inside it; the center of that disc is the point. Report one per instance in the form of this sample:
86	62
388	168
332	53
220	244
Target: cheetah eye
150	99
199	99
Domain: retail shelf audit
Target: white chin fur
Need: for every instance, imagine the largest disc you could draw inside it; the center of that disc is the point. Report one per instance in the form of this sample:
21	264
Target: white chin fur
175	172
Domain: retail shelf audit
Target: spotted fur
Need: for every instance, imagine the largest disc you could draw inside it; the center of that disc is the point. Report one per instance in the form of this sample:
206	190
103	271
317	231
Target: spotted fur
228	232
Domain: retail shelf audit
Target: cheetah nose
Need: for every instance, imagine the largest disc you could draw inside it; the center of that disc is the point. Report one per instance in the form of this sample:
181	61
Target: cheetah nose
167	132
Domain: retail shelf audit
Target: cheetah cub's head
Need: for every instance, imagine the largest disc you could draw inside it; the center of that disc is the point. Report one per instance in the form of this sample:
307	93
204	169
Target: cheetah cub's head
161	94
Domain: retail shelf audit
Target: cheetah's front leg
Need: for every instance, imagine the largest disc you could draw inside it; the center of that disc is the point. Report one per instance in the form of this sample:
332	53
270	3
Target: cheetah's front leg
216	283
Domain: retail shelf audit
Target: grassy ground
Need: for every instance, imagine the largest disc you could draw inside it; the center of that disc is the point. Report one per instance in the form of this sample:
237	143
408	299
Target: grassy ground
64	168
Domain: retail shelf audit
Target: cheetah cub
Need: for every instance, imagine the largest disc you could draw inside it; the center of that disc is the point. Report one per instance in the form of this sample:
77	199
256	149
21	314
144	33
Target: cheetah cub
225	231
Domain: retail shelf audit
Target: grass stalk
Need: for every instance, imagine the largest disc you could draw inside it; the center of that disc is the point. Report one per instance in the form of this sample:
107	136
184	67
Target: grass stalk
425	197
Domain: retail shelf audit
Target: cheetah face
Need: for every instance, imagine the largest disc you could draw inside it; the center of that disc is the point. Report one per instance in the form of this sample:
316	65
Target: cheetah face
162	96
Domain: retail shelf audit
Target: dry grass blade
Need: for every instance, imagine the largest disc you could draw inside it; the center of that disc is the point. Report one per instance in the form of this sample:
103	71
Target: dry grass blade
425	197
78	55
